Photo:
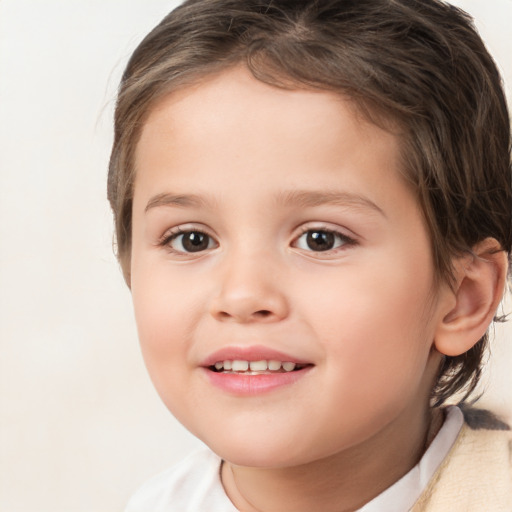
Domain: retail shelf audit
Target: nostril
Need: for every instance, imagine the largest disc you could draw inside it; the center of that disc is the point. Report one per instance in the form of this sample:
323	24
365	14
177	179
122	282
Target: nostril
263	313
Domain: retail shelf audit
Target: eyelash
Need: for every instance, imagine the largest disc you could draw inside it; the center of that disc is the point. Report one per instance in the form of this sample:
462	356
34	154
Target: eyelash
169	237
343	240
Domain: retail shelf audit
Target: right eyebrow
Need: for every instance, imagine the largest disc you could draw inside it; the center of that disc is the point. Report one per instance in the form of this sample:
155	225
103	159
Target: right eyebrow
180	200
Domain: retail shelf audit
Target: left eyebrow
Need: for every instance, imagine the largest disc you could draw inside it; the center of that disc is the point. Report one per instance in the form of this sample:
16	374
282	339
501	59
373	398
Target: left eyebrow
308	198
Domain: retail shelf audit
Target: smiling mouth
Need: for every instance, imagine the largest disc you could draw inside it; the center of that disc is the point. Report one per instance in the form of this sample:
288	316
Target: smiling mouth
262	367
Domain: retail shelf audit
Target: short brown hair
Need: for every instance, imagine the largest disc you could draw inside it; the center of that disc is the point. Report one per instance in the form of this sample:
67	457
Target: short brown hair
418	65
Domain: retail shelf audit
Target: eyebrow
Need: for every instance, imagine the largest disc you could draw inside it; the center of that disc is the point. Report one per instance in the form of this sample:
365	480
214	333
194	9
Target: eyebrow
300	198
180	200
308	198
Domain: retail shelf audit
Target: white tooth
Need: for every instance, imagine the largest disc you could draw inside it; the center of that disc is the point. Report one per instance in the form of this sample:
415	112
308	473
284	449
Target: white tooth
274	365
258	366
288	367
240	366
219	365
227	365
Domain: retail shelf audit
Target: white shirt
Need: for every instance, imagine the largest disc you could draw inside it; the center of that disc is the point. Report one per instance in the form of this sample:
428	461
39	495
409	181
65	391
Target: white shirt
194	485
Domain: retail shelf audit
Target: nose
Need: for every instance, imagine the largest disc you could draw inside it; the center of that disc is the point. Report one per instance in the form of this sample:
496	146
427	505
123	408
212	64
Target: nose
249	291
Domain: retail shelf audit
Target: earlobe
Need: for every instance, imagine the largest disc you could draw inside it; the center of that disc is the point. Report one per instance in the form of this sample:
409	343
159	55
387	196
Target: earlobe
479	285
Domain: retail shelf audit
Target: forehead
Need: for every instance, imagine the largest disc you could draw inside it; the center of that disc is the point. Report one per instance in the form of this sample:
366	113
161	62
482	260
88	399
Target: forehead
237	119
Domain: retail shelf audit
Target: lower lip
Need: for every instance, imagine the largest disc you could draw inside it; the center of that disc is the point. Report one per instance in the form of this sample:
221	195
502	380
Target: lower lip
247	385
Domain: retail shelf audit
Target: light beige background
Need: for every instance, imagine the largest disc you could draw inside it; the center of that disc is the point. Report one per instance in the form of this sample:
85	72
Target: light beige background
80	425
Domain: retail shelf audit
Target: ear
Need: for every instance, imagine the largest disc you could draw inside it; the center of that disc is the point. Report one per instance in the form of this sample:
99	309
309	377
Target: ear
471	305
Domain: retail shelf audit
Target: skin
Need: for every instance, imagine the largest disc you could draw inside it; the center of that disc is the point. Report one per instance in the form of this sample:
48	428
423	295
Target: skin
365	314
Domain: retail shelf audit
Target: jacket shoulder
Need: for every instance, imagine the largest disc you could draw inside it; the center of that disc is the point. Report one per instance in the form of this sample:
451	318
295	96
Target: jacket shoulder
476	474
482	419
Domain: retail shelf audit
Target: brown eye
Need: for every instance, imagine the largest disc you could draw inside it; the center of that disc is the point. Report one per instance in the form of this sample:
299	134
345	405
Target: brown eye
191	241
322	240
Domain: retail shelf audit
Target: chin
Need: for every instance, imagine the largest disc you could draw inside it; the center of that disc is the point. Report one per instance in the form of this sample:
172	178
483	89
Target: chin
268	451
255	457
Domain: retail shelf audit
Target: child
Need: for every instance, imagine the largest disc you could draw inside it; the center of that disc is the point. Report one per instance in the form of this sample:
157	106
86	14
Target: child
312	202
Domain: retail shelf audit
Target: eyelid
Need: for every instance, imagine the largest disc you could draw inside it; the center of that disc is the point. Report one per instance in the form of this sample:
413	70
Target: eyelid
172	233
349	240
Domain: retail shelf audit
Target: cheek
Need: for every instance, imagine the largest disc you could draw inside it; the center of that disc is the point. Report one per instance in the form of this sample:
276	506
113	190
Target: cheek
374	325
163	337
163	313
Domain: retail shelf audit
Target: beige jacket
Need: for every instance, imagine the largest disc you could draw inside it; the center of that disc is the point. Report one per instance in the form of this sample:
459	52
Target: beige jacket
476	475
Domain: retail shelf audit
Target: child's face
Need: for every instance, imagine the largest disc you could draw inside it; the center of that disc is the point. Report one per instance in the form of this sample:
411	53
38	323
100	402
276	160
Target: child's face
274	225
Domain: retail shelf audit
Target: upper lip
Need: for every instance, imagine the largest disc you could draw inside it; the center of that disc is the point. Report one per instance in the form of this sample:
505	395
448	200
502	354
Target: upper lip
250	353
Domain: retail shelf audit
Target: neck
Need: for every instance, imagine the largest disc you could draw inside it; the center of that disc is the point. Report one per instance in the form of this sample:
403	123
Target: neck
342	482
